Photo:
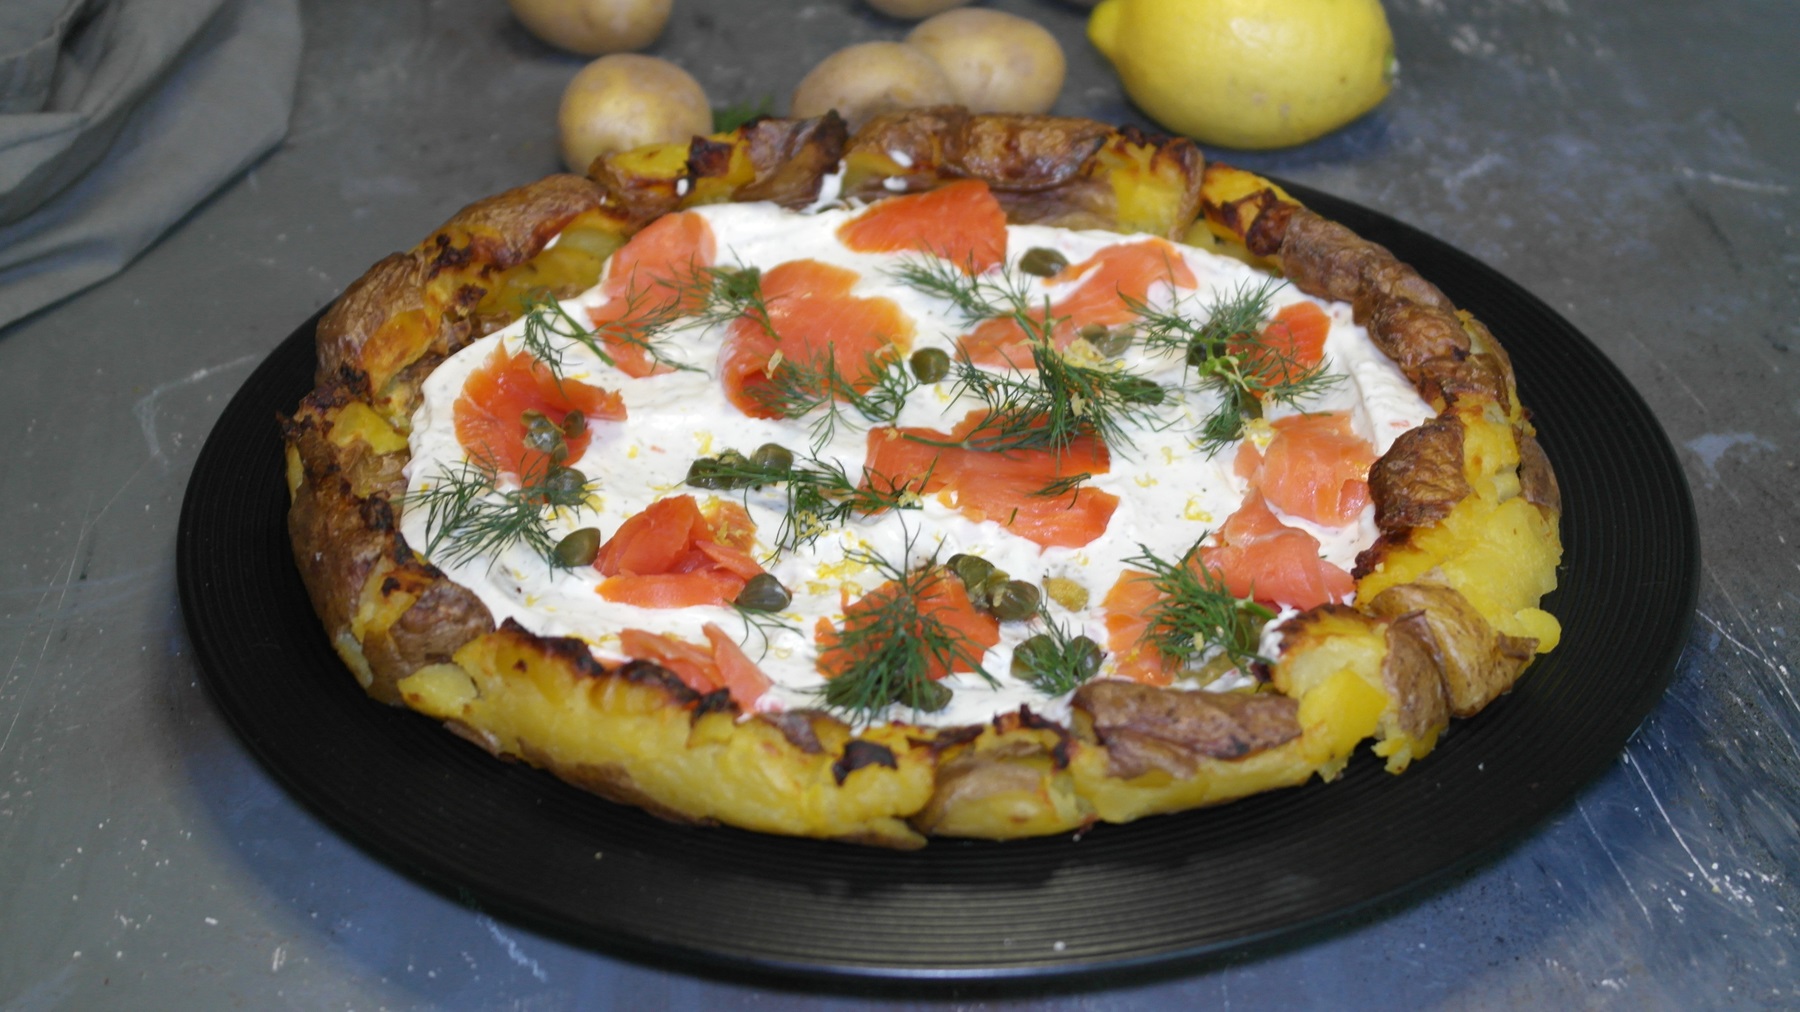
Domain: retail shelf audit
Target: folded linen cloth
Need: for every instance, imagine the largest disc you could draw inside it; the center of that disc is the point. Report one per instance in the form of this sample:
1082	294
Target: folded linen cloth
117	117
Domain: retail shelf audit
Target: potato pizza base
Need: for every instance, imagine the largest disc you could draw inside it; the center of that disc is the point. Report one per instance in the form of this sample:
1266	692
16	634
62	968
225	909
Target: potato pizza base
1446	614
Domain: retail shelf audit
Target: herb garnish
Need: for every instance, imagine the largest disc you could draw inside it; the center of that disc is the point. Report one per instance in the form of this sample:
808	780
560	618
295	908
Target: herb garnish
1197	614
1061	401
820	494
797	388
468	515
1054	662
1222	343
889	648
550	330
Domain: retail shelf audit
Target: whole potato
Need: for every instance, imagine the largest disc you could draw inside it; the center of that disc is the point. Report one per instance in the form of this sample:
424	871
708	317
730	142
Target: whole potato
625	101
997	62
593	27
912	10
871	78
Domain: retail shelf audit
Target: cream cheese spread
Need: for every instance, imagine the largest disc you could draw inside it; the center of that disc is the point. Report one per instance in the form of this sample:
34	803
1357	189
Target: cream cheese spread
1170	492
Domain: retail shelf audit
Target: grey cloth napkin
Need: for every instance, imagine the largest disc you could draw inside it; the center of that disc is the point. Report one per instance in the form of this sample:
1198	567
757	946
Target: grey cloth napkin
117	117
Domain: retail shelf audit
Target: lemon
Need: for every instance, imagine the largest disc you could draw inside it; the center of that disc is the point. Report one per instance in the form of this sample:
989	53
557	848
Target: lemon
1248	73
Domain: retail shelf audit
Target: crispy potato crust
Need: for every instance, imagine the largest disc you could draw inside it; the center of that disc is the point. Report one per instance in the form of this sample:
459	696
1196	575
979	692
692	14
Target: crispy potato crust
1442	631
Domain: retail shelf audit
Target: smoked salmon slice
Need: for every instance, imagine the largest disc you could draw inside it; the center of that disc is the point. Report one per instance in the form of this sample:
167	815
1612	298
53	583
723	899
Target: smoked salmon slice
1128	608
1291	344
655	275
1316	468
489	413
720	664
961	222
1008	488
1110	280
942	600
815	321
670	556
1259	556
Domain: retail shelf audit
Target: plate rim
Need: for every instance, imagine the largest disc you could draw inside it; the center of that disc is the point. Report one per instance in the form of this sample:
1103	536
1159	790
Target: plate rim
197	598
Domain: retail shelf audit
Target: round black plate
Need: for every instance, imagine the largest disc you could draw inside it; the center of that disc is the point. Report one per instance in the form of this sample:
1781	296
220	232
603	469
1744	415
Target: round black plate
1120	898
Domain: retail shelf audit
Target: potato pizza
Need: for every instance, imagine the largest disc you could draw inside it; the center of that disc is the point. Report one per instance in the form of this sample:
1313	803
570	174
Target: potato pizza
971	475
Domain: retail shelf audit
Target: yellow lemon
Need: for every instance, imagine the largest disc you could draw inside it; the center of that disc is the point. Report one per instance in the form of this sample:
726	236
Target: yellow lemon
1248	73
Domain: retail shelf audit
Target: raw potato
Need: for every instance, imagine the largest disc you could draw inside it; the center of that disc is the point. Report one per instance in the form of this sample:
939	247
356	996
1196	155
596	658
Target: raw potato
866	80
594	27
997	62
912	10
625	101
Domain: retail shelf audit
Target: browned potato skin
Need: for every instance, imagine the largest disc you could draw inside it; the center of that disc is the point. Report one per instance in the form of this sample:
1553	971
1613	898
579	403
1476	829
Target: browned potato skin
1145	728
1014	777
441	279
1045	170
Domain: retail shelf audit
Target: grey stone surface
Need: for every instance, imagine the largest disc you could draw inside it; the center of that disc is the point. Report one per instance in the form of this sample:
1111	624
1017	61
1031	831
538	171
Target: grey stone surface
1634	165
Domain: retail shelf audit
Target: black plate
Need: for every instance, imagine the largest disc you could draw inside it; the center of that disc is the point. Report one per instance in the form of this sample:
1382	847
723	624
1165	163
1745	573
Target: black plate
1156	894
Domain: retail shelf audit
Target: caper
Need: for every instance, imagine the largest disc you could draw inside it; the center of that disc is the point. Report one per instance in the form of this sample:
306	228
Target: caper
924	695
565	486
574	423
1139	390
544	436
972	570
1015	600
579	548
1034	657
930	365
716	472
1043	262
991	588
1109	341
1218	666
763	593
772	457
1086	656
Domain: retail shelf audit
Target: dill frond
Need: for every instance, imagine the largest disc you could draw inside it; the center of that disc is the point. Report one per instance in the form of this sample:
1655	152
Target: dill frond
1196	614
1059	401
550	330
797	388
467	514
976	296
762	625
892	646
820	494
1223	346
1055	662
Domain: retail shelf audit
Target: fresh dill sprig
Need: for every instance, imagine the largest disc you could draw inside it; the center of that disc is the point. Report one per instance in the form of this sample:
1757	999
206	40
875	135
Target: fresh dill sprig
550	330
820	494
1205	330
1222	344
467	514
797	388
719	295
1054	406
1050	407
1068	484
1196	614
1055	662
761	624
891	646
977	296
